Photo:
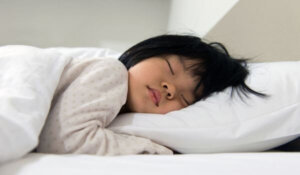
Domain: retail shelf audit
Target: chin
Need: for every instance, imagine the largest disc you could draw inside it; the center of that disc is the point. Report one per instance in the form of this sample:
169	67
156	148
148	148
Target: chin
143	111
137	109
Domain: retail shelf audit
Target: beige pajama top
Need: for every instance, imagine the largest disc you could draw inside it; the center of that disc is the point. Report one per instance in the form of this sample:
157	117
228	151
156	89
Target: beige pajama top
89	96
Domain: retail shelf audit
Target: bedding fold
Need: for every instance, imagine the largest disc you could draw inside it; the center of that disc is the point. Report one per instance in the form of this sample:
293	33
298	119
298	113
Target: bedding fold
28	79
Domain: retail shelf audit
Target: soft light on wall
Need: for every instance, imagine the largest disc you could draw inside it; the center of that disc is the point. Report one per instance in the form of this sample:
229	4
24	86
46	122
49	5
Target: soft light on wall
197	16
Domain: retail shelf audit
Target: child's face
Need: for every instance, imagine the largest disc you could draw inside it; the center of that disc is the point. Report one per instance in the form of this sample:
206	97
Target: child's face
160	85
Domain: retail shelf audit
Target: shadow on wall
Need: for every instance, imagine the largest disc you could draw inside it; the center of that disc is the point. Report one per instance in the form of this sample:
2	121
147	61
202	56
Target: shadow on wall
264	30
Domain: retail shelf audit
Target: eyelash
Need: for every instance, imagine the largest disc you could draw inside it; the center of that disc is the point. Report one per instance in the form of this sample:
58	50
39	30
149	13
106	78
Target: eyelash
185	100
172	72
170	67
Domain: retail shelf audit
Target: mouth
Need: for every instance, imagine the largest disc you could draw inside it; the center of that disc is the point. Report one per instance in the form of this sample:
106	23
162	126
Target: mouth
154	95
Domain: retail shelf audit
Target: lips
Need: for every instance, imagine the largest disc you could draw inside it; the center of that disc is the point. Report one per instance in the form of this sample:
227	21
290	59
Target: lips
154	95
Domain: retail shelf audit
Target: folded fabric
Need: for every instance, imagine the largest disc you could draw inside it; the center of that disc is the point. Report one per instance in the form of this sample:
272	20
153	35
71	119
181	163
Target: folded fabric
28	78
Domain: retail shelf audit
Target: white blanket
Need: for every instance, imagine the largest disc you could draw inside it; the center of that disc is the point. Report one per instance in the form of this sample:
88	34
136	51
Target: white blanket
28	78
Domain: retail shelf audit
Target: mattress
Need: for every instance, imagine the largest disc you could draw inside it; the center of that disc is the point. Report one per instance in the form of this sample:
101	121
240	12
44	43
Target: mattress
267	163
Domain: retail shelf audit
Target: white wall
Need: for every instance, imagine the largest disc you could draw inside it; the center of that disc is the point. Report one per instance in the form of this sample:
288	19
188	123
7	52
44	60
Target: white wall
197	16
115	24
265	30
261	29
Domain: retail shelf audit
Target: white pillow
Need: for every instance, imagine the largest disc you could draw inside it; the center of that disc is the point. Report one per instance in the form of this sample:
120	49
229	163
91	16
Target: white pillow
224	124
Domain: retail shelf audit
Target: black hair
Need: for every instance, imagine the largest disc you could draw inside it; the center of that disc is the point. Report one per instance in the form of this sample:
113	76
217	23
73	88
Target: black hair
216	69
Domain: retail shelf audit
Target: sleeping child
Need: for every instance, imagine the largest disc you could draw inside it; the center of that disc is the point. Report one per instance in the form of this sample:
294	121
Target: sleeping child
158	75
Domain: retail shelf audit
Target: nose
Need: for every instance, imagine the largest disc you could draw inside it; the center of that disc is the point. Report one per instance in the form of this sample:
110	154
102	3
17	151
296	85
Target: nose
169	89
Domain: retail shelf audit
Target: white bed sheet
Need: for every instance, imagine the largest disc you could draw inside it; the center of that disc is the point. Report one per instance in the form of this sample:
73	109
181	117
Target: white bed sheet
268	163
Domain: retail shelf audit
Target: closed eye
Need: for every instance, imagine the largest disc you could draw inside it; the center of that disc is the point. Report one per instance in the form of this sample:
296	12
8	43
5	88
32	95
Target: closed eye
185	100
171	69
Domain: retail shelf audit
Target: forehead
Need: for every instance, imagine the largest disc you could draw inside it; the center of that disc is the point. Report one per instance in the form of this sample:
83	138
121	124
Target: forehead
188	64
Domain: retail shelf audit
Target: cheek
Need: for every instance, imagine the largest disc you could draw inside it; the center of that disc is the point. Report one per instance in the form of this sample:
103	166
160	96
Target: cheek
171	106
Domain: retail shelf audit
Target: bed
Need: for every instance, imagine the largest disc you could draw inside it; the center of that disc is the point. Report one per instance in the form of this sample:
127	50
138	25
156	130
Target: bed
208	164
206	155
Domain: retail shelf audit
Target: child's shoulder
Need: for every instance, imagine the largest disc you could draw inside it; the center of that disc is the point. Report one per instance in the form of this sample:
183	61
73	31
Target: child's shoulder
110	66
106	65
112	63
